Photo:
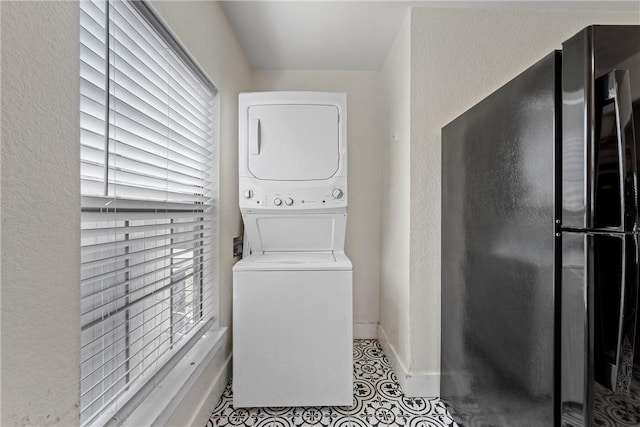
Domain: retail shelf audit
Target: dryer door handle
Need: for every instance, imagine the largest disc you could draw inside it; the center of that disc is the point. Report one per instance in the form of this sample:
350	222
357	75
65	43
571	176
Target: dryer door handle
254	137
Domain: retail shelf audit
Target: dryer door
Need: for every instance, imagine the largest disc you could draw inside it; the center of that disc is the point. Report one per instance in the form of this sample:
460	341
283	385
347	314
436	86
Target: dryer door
293	142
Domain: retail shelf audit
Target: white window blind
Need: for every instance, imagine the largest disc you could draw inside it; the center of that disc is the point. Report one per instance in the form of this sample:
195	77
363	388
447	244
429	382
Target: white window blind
148	181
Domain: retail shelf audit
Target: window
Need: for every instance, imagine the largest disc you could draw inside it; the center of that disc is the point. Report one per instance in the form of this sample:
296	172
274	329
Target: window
149	170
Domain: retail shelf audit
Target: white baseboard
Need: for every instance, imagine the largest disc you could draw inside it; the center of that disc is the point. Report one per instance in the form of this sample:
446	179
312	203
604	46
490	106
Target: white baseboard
413	384
365	331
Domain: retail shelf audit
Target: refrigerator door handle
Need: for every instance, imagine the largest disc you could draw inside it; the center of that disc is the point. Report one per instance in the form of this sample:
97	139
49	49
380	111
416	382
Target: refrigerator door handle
617	88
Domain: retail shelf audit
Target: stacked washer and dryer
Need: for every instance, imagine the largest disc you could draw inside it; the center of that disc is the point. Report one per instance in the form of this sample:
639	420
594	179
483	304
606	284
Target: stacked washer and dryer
292	291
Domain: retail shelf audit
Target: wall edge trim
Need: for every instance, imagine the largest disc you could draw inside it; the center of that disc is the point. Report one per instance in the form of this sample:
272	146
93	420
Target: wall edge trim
413	384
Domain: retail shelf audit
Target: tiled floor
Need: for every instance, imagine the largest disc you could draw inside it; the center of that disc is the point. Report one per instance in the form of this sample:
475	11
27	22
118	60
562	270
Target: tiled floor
378	402
615	410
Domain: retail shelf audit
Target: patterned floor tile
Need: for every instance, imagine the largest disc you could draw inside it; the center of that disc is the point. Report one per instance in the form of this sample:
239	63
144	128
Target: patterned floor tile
618	410
378	401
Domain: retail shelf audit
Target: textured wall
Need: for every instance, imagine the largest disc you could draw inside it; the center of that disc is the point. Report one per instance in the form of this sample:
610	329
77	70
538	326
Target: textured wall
458	56
395	89
40	314
363	227
40	218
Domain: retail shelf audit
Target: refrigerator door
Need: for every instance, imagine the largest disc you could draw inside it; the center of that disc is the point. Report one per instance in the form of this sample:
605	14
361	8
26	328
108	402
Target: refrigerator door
615	165
498	255
601	124
575	393
599	279
598	336
615	281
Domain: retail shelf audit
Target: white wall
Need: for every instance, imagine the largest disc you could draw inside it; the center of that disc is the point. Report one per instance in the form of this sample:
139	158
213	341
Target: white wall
40	217
458	56
363	226
395	204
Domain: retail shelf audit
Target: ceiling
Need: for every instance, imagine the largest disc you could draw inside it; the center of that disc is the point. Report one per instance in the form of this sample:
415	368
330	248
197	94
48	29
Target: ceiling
345	35
314	34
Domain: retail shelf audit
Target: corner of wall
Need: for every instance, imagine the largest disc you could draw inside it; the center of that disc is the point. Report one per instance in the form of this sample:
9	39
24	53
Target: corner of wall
395	204
421	384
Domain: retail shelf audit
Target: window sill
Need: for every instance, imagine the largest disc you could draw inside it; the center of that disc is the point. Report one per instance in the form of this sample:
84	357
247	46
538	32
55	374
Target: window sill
164	404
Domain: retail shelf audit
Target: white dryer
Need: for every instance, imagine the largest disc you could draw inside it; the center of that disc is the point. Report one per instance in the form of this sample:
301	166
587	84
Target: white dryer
292	291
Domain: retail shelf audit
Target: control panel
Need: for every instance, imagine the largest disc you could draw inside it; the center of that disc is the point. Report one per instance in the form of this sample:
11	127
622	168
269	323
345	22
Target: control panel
289	197
307	199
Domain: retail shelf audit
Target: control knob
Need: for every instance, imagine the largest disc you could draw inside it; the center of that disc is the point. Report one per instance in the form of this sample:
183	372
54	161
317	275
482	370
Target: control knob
277	201
247	194
337	193
289	201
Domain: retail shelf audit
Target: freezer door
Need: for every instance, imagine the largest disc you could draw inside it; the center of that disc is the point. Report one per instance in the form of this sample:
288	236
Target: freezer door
600	128
598	326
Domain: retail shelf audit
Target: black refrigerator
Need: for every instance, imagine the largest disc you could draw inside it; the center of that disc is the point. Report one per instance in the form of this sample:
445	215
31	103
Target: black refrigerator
540	255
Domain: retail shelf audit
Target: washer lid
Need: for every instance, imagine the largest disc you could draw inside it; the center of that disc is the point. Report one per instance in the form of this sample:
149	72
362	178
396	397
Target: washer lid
296	142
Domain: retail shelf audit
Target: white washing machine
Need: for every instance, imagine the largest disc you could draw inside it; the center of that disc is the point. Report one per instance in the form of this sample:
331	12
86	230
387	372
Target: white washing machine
292	291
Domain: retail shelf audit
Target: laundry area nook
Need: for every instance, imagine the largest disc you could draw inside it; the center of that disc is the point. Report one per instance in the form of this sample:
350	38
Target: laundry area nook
292	300
319	213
